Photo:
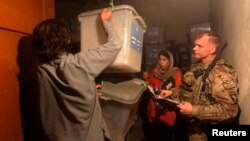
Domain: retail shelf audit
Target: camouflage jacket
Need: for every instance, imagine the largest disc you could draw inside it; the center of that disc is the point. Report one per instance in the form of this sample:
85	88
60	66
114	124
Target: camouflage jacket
218	102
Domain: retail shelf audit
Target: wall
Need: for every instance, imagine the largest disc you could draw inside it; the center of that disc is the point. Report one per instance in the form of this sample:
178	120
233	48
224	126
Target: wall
231	19
17	20
177	15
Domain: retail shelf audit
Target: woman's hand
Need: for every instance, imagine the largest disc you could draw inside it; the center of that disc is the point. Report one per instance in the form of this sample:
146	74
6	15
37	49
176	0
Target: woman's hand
166	93
106	14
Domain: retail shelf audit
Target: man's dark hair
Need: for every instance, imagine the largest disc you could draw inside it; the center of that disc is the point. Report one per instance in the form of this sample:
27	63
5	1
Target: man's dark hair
51	38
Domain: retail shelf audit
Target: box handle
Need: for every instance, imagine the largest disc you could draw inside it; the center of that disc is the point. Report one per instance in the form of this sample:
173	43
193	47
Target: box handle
141	21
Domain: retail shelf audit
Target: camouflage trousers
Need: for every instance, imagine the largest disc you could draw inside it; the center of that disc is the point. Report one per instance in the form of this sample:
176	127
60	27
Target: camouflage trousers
197	137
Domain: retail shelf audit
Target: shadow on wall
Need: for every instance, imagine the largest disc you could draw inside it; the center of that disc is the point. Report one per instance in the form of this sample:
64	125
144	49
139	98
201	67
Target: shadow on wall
27	61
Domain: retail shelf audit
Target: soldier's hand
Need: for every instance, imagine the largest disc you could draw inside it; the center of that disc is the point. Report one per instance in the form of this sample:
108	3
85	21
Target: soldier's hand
106	14
185	108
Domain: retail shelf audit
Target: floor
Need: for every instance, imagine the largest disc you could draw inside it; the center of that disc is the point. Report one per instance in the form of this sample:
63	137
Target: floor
135	133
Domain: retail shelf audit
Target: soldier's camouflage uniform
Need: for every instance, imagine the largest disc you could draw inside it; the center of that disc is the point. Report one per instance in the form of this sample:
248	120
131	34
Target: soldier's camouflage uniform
218	103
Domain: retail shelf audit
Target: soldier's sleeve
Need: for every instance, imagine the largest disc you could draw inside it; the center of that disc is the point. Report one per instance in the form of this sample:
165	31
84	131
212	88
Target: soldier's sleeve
224	90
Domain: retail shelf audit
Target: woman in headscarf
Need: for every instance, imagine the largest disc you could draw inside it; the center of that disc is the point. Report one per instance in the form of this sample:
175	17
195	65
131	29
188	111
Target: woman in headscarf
163	76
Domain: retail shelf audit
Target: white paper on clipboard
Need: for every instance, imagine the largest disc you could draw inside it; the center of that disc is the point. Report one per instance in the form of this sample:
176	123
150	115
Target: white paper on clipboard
160	98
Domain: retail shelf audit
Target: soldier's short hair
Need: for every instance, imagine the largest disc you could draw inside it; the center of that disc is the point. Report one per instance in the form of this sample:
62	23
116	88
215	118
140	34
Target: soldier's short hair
213	37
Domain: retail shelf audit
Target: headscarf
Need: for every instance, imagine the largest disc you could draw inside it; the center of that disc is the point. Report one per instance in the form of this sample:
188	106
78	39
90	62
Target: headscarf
163	74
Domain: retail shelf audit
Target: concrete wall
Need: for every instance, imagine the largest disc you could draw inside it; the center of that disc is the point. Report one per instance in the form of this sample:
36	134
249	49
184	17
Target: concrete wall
231	19
177	15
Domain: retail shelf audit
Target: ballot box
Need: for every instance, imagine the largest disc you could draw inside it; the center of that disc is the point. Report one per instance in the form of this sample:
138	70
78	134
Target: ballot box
130	28
119	106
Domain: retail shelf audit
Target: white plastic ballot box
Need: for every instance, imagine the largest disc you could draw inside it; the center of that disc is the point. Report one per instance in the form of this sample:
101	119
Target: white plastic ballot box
130	28
119	106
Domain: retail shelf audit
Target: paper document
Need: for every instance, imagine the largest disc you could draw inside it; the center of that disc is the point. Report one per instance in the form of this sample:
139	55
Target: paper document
162	99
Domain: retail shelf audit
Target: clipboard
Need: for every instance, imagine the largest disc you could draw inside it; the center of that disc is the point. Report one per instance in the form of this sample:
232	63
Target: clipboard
162	100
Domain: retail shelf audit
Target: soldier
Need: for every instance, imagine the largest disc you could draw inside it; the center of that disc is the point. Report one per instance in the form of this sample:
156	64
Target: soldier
212	99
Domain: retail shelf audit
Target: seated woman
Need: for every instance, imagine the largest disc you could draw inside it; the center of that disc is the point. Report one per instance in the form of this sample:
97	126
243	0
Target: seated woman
163	77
